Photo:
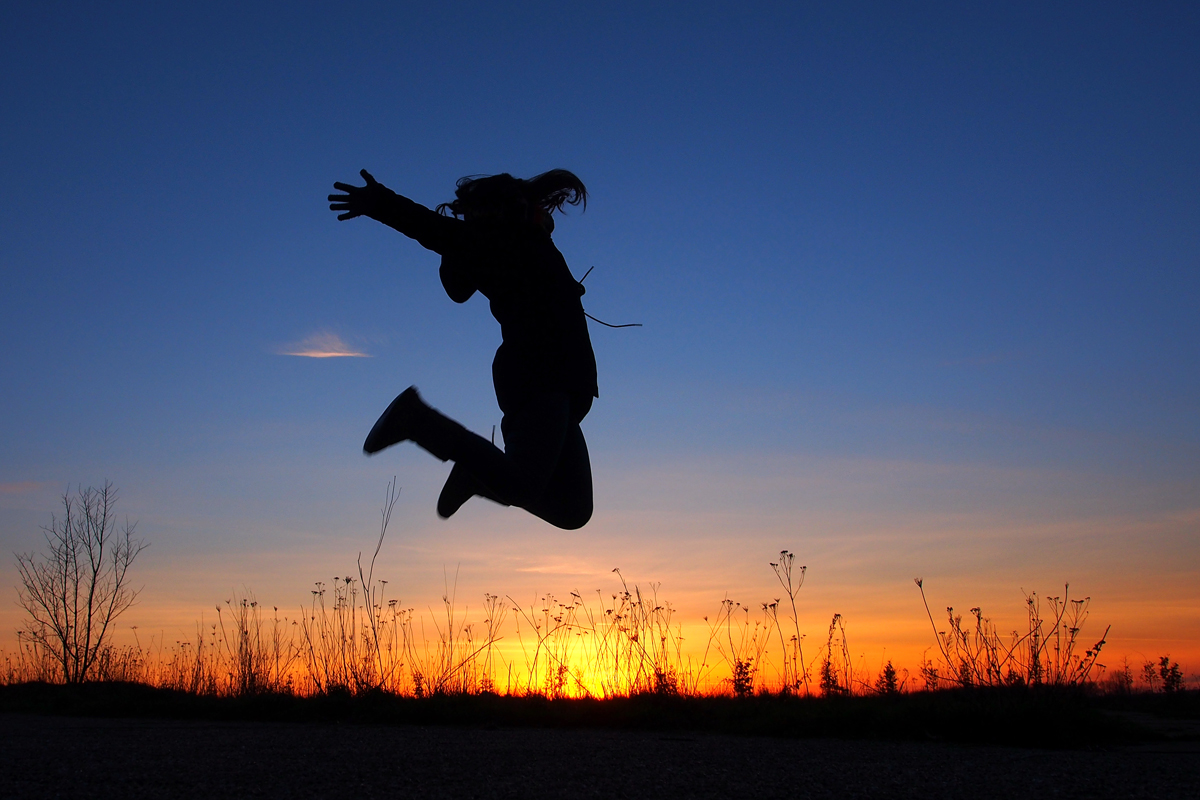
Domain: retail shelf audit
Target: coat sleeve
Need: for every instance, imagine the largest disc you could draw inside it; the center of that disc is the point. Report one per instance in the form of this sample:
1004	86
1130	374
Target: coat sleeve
447	236
430	229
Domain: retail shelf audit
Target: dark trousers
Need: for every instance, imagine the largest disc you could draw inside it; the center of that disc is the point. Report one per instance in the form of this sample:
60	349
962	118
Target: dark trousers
544	467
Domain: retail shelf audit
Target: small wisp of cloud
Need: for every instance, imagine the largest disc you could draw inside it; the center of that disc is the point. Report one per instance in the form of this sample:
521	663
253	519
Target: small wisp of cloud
322	345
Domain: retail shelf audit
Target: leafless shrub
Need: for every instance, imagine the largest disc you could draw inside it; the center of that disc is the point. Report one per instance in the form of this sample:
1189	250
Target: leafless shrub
74	590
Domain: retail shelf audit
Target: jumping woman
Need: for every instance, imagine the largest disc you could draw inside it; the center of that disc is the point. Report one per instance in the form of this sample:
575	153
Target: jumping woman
494	238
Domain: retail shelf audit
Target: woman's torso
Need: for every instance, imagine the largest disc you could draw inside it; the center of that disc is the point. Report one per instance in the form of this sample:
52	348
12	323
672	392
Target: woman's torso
536	300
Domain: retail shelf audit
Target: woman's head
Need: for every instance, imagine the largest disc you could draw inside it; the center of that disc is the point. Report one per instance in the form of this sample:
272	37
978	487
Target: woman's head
505	197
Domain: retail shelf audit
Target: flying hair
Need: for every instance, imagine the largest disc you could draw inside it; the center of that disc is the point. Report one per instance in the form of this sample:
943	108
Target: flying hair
505	196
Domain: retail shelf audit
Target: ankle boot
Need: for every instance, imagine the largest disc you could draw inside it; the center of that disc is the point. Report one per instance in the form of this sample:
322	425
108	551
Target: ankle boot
461	486
396	423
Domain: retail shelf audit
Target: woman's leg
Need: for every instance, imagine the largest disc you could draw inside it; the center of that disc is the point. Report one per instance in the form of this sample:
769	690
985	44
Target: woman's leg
460	487
544	467
566	501
534	432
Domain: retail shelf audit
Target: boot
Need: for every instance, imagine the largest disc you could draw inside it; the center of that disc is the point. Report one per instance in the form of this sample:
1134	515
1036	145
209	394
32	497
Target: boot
460	487
398	422
409	418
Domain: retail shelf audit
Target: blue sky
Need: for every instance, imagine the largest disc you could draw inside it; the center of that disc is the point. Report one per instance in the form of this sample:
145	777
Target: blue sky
917	281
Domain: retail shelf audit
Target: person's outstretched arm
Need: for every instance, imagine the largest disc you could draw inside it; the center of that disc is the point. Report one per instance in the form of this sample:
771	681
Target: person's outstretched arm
429	228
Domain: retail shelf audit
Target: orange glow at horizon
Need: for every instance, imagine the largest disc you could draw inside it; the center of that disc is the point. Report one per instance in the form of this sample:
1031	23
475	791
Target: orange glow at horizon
615	644
691	535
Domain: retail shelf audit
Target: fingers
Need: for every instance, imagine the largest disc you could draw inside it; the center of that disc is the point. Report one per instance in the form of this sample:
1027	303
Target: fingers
342	202
345	187
350	203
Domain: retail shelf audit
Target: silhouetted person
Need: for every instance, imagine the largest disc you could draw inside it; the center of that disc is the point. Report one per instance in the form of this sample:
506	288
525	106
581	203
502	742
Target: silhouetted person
495	239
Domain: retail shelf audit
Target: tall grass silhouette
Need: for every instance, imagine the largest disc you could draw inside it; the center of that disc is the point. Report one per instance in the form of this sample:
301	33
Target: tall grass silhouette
353	638
1046	652
356	636
795	672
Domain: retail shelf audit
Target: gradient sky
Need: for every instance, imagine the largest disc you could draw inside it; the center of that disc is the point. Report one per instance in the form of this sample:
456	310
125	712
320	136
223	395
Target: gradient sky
919	285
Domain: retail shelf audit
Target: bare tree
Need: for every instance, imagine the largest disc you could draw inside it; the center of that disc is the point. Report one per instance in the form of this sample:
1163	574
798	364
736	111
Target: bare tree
78	586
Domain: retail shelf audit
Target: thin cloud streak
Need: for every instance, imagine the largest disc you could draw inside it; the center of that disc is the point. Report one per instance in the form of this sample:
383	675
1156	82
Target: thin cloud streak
323	345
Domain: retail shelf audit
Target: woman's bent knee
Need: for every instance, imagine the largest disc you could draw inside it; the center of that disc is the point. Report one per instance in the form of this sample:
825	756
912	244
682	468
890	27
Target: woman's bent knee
569	519
576	522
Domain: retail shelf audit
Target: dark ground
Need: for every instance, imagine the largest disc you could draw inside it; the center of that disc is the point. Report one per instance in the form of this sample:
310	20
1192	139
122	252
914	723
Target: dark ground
131	740
58	756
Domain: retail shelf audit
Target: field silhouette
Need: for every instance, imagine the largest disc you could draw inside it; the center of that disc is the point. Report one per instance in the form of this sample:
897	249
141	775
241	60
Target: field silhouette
354	653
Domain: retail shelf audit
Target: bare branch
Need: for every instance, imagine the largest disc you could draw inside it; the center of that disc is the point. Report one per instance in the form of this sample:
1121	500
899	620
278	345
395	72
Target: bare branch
74	590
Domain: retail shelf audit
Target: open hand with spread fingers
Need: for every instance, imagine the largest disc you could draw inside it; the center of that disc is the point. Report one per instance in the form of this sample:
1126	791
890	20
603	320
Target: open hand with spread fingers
371	200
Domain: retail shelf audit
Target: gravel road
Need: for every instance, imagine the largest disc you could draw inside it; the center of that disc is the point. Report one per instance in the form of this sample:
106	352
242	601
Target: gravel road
43	757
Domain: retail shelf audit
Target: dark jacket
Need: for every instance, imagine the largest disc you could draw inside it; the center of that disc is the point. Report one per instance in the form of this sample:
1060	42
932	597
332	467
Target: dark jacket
533	296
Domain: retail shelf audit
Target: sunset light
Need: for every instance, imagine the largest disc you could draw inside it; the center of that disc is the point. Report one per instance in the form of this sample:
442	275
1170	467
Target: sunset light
430	364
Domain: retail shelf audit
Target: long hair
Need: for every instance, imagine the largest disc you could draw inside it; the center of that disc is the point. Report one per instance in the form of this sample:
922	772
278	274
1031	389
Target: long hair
504	196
